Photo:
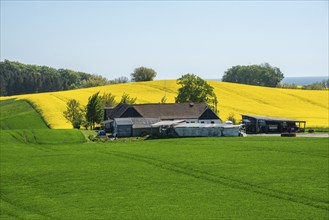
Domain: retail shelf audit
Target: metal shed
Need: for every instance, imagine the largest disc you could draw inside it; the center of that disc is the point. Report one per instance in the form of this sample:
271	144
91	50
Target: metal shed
122	127
262	124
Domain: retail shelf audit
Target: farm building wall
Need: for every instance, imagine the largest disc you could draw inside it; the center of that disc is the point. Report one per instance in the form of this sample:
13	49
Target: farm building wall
208	115
139	132
210	121
230	132
202	121
204	130
107	112
123	130
128	127
198	132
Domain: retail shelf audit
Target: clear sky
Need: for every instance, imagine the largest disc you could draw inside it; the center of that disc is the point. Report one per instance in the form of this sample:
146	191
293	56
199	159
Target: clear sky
111	38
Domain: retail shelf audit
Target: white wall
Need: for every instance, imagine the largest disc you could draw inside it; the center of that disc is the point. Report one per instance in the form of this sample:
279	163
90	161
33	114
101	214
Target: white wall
203	121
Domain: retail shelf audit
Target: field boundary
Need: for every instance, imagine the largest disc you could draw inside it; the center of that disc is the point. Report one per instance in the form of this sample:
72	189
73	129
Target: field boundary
39	111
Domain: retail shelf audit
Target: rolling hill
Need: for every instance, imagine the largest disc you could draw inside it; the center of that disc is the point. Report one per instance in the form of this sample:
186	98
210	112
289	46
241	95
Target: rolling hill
56	174
19	115
309	105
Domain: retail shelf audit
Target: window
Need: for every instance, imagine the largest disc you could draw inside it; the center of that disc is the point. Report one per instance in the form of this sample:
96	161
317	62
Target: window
212	122
202	122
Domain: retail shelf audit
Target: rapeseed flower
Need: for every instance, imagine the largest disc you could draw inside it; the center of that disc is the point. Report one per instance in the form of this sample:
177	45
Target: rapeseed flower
309	105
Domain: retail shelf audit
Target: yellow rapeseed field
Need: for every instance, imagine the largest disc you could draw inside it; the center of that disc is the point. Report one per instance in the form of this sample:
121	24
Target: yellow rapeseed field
309	105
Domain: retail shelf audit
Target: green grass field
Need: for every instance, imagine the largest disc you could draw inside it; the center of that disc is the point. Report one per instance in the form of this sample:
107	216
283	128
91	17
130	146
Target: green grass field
19	114
56	174
49	174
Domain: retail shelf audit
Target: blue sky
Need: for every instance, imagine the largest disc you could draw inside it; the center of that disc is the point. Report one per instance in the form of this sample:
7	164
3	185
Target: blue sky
112	38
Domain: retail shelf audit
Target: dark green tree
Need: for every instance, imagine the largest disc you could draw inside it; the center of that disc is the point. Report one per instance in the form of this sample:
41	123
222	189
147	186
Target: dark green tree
260	75
317	85
109	100
74	113
94	110
120	80
94	80
325	84
143	74
195	89
287	86
127	99
17	78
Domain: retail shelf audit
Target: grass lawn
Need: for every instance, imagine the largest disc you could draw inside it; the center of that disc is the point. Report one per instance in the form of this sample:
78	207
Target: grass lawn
48	174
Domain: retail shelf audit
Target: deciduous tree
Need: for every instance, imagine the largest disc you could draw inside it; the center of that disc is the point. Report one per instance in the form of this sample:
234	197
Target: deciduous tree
109	100
127	99
143	74
95	80
260	75
120	80
95	110
74	113
195	89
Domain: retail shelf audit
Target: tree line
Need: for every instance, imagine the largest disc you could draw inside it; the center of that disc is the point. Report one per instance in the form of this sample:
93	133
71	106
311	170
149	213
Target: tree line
18	78
324	84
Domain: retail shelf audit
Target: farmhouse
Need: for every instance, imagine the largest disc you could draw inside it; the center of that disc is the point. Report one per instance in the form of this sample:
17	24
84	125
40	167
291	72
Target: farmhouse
190	112
135	120
261	124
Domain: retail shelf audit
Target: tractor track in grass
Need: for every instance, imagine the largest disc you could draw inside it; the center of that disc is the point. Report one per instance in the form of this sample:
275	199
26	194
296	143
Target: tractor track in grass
222	180
309	101
24	140
21	207
284	152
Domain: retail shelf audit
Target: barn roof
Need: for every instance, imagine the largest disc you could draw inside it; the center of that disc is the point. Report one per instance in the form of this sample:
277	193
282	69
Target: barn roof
136	122
118	110
198	125
272	118
107	121
144	122
165	111
167	123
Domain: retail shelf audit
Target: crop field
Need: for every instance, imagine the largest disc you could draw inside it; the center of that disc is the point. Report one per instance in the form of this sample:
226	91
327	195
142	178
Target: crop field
309	105
55	174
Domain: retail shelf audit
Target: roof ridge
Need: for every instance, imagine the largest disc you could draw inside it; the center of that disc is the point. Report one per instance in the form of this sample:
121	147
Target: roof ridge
195	103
